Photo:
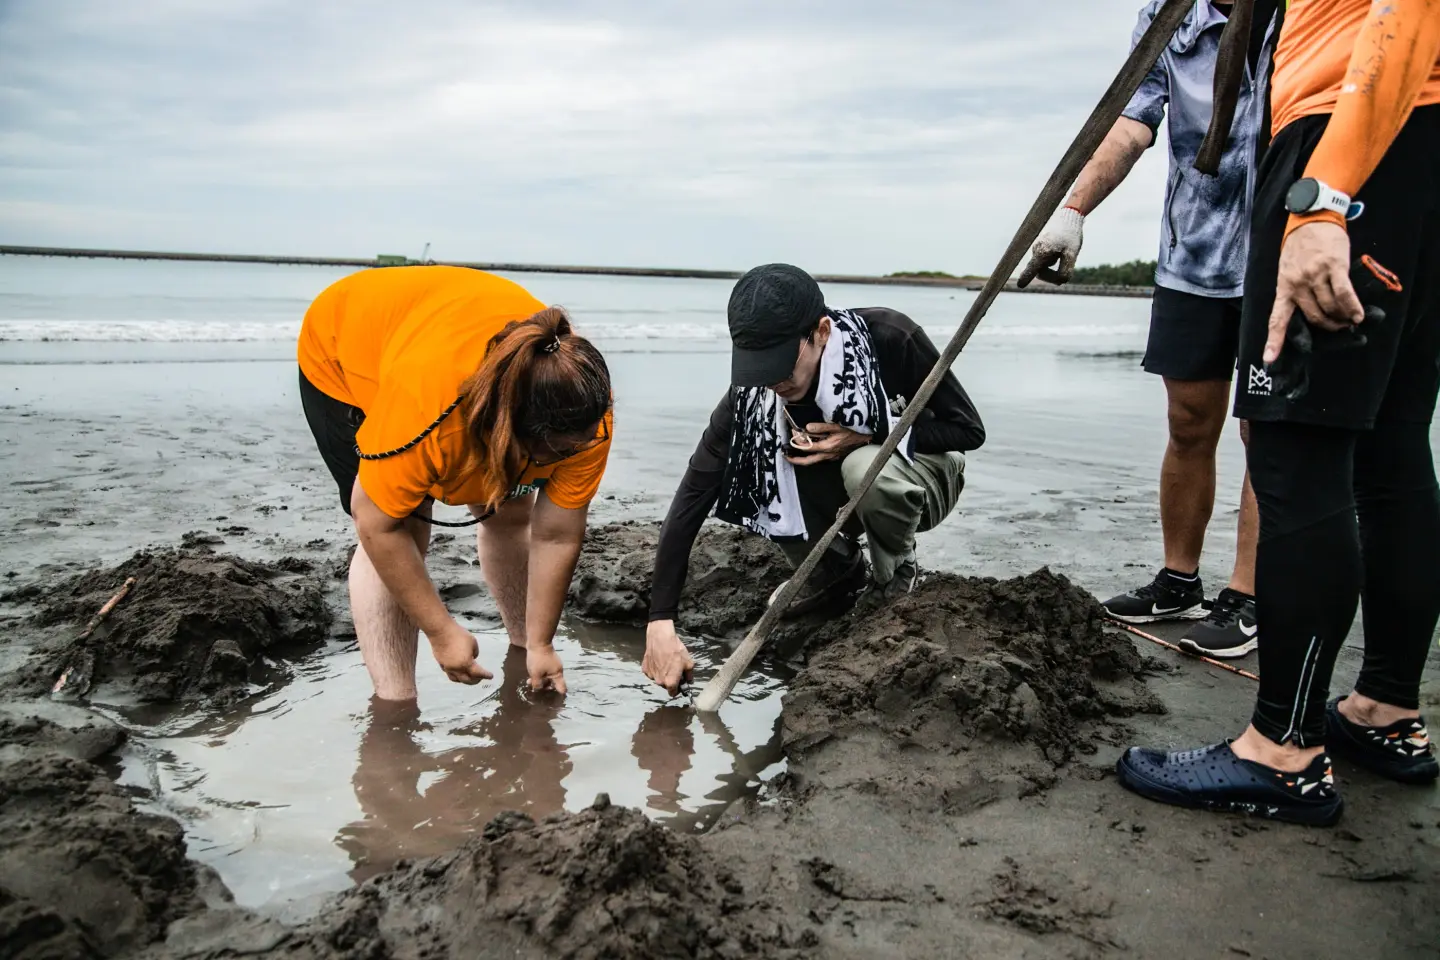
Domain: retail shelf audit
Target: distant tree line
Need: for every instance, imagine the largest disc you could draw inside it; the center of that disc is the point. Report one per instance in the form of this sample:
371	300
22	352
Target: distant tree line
1136	273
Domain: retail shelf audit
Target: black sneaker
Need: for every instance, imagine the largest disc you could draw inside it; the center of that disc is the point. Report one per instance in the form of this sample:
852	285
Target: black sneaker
877	595
1170	596
1401	751
1230	630
834	578
1213	778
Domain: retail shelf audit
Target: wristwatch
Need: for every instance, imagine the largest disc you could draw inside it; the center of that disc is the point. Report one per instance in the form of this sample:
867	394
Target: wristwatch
1309	195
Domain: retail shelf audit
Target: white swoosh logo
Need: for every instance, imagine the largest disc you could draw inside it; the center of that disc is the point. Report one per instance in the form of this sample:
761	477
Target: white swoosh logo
1251	630
1155	610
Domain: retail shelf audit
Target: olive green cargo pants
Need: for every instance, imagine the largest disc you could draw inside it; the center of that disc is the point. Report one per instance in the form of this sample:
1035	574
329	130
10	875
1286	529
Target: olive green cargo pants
907	498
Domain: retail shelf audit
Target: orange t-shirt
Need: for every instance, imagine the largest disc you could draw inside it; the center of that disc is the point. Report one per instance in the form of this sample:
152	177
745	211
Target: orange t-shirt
1313	56
398	342
1368	65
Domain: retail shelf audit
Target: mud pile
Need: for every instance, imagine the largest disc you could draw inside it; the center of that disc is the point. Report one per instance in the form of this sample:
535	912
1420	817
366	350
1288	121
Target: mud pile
82	874
195	624
731	575
1022	660
58	727
602	883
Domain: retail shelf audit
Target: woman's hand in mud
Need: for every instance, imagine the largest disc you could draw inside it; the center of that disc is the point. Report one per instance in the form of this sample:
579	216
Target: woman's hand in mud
546	670
455	650
828	441
667	662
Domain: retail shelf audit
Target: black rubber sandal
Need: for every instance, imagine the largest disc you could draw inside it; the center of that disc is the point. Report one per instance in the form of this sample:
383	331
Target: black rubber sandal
1213	778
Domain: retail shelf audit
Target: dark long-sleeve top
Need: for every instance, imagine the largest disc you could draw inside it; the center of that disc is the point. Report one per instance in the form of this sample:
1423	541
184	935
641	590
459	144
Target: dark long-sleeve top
905	355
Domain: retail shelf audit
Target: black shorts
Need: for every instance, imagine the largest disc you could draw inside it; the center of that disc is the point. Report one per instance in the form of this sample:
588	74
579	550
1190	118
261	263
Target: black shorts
333	425
1395	376
1192	337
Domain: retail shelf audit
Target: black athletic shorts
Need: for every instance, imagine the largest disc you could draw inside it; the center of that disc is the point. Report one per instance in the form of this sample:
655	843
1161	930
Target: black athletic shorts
1192	337
1395	376
333	425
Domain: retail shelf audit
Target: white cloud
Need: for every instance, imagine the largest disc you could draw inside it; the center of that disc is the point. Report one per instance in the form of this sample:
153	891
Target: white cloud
843	136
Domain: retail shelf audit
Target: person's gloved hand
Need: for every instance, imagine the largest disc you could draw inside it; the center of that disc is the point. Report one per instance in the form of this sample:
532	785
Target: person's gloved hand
1058	243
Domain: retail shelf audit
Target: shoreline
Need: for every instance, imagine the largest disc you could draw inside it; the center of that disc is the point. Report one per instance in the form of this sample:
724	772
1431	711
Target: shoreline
1080	290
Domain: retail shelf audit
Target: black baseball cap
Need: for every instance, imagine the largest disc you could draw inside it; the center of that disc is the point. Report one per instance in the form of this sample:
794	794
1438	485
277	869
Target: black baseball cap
771	309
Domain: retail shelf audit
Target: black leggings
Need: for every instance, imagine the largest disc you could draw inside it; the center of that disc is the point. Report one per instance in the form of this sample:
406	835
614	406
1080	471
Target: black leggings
1343	513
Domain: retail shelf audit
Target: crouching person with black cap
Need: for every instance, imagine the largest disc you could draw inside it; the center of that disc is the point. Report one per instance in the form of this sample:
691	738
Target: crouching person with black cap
814	392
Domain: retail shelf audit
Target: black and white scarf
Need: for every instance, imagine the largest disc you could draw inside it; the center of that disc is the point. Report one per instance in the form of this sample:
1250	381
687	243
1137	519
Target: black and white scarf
759	491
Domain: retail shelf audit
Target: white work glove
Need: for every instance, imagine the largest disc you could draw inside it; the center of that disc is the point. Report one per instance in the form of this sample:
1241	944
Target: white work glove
1059	241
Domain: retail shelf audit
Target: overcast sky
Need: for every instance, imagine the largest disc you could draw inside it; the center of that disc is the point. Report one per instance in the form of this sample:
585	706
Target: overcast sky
845	135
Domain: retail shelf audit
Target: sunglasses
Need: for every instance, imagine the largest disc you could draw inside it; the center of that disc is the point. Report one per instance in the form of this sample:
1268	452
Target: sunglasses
554	456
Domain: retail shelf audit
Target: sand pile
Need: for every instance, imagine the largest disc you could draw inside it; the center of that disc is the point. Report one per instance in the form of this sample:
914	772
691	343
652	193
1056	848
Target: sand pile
82	874
602	883
1022	660
732	573
196	624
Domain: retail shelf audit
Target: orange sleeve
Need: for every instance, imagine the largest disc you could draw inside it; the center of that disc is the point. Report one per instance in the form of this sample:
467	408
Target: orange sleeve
1393	57
577	479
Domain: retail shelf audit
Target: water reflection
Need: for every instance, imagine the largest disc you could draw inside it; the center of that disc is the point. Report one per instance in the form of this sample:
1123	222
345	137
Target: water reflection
416	802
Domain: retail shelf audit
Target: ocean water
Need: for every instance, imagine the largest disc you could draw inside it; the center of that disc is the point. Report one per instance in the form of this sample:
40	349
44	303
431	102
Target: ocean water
59	300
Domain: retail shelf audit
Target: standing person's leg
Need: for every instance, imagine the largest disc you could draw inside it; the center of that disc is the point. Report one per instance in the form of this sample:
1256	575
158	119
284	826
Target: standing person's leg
1308	573
1379	725
904	499
1197	414
1247	531
1308	576
1232	628
1192	346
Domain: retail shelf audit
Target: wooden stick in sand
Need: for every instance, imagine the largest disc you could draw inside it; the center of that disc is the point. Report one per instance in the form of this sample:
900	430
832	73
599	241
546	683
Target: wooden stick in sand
110	604
1179	649
84	659
1102	118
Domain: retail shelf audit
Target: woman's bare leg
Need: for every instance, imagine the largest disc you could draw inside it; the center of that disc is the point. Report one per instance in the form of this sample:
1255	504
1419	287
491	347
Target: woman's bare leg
388	637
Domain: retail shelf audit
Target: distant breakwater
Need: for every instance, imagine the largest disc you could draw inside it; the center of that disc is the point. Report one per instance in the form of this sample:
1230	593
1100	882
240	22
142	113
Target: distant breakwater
962	283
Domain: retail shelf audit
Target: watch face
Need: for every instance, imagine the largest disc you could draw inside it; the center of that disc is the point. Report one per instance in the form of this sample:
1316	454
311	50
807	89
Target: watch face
1302	195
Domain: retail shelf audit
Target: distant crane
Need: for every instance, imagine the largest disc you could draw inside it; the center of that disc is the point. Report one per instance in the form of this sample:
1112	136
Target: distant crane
425	255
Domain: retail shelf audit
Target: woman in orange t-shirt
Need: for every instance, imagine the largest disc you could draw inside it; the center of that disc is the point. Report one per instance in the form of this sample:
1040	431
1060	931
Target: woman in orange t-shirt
444	383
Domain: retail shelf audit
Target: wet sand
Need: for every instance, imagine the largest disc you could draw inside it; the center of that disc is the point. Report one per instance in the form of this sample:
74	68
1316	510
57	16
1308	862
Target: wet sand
903	817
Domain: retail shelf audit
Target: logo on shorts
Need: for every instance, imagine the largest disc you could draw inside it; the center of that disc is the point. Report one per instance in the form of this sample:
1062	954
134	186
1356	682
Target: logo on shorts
1260	381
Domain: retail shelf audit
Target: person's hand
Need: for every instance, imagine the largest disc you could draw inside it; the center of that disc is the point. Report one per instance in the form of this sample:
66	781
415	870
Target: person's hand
667	662
546	670
828	441
1059	243
1314	276
455	650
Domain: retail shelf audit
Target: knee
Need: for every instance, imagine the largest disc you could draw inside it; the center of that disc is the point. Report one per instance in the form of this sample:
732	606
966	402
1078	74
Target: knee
1194	427
890	490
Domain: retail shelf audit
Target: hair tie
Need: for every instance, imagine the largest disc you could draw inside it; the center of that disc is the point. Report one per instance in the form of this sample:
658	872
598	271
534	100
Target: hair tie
552	346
